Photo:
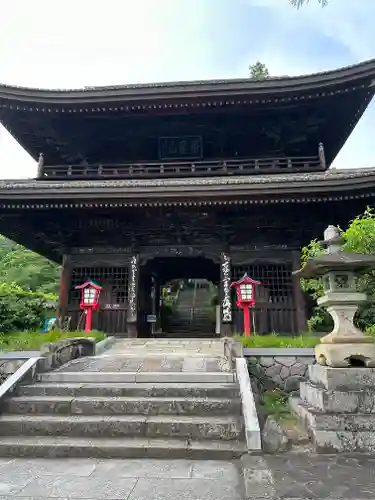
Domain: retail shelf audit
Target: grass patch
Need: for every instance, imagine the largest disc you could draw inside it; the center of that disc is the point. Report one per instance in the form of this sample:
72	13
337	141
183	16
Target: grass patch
276	404
278	341
275	340
32	341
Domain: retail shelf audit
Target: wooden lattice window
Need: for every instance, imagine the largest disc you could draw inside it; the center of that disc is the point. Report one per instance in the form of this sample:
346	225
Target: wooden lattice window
114	281
276	281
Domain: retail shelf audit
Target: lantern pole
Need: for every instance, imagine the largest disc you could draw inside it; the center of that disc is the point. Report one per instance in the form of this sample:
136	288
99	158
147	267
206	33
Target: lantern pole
246	320
88	326
253	320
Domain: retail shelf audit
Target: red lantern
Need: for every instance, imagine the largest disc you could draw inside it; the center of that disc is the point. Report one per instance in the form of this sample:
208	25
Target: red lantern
89	301
245	289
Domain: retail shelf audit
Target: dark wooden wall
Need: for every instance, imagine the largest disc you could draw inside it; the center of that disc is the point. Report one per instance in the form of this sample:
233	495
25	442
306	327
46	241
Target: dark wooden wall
264	241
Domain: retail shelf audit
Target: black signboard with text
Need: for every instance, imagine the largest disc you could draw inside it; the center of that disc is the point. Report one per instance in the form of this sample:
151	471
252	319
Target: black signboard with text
180	148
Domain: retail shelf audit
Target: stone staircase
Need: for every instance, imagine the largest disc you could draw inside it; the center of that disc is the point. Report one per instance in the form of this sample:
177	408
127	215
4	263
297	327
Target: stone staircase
194	315
144	398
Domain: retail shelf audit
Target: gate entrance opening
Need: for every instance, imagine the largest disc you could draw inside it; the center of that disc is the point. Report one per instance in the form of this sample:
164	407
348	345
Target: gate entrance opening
179	297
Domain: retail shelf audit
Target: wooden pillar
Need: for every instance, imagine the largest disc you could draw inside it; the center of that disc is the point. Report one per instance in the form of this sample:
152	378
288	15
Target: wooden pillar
132	316
40	166
322	156
154	305
157	301
64	289
225	295
299	300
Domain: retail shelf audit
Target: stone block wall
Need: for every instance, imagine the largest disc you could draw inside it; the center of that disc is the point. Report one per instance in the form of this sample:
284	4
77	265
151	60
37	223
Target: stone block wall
282	369
8	367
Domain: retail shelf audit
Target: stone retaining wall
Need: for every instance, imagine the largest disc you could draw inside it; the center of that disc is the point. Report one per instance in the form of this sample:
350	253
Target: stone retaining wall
278	368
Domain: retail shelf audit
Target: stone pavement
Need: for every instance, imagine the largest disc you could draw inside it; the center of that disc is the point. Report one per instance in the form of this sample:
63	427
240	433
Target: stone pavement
151	355
301	476
289	476
41	479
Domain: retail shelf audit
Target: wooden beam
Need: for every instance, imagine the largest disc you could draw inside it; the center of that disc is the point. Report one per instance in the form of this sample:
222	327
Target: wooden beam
65	279
299	300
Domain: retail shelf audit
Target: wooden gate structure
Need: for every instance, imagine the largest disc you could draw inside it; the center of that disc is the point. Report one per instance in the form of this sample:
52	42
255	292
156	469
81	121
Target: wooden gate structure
207	180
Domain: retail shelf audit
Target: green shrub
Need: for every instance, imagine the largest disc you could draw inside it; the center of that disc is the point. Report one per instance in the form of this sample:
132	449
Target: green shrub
21	309
276	404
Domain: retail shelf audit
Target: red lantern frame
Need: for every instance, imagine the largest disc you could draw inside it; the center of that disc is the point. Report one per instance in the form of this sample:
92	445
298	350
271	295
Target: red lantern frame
90	292
245	290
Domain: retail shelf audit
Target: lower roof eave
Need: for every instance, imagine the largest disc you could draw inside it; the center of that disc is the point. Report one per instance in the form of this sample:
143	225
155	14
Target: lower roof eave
61	203
245	189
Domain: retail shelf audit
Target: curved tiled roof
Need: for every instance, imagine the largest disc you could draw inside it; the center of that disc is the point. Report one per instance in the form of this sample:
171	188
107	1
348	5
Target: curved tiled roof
269	84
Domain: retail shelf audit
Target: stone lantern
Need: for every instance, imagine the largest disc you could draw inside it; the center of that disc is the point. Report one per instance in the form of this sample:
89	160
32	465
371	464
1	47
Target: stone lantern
346	345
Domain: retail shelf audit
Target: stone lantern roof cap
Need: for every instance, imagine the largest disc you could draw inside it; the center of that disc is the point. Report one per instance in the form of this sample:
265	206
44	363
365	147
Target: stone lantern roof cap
335	258
342	261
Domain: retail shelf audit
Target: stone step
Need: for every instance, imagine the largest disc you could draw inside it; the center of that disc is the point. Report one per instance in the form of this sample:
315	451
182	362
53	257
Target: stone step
224	428
188	334
172	390
61	447
348	401
64	405
160	350
192	328
198	332
177	320
335	433
197	326
190	345
332	442
186	315
160	377
154	362
337	421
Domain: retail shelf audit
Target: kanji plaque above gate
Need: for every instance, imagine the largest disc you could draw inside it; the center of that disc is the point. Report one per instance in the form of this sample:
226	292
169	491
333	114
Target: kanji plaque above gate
180	148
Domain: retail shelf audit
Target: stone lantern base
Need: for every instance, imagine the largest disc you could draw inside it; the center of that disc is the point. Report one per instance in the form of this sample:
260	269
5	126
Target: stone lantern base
346	355
346	345
338	408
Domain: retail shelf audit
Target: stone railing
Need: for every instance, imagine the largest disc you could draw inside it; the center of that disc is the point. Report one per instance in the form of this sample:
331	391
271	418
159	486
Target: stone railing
249	407
26	370
52	355
278	368
196	168
57	353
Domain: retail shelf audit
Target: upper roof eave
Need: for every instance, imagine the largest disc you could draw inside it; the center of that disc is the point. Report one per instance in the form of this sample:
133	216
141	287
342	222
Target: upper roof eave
203	88
278	185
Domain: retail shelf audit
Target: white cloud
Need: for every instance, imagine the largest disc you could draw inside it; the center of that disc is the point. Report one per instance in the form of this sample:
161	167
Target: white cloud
122	41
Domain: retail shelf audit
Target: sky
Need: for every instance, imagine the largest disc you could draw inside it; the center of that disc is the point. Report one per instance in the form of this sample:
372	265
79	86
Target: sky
76	43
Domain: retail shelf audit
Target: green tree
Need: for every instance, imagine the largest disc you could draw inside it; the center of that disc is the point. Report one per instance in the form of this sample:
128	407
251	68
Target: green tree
28	286
27	269
301	3
21	309
258	71
358	237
